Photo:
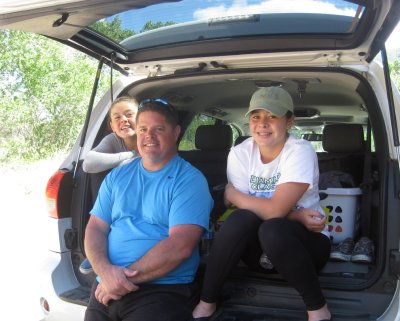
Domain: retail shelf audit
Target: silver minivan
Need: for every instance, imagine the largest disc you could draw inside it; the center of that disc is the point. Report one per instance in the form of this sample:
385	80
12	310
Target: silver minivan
207	58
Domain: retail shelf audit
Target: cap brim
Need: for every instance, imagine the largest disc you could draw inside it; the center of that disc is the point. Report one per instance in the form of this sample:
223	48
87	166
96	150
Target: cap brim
279	112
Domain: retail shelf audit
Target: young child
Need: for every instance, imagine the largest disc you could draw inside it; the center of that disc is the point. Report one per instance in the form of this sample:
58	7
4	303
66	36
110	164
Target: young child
273	183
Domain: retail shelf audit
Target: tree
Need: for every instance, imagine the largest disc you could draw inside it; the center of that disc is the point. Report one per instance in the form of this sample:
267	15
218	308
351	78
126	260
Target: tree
112	29
395	72
149	25
45	91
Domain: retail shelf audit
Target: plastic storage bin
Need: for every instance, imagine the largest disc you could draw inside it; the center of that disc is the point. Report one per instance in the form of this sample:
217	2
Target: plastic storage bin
341	207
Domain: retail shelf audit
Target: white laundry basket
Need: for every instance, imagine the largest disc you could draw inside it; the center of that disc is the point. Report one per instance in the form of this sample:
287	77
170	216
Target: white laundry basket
341	206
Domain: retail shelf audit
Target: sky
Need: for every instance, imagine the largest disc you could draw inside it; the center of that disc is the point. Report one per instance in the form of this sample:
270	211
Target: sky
393	41
190	10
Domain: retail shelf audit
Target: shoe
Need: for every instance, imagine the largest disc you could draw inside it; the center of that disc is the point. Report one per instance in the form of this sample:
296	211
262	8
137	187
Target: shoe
363	251
85	267
343	251
265	262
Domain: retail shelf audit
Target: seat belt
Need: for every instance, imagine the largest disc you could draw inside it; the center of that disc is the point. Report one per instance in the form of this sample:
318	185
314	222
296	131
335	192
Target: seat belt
366	186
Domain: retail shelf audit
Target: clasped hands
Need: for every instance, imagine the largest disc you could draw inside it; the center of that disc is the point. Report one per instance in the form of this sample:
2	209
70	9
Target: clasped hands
115	283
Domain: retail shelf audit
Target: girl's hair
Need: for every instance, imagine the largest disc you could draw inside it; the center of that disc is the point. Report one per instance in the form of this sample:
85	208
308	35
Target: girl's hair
289	114
125	99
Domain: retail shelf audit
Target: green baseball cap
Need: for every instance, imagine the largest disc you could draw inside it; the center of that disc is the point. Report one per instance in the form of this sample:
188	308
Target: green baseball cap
276	100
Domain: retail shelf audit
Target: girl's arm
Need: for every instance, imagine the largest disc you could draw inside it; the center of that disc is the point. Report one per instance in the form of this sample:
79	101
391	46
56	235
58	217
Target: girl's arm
96	162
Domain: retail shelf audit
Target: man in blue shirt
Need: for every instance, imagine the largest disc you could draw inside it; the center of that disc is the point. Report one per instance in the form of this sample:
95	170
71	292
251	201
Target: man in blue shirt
143	233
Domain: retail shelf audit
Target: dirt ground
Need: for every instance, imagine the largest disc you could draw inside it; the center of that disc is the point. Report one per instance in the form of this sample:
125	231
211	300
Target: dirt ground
22	240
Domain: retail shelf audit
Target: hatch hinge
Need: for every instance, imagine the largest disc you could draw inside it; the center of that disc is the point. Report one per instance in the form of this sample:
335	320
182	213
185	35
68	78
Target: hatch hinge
333	59
394	262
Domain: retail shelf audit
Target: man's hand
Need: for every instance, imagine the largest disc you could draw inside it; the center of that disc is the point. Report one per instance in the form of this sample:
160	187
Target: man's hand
311	219
115	284
103	297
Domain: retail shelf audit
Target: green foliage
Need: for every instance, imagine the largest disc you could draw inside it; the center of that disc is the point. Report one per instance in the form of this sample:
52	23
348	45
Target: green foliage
149	25
112	29
45	89
187	141
44	95
395	72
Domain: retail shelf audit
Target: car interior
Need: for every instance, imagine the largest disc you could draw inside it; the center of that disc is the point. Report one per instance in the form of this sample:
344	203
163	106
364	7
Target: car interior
335	110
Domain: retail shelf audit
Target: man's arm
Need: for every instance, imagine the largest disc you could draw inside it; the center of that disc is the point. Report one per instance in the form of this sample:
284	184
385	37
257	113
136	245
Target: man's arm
113	278
168	253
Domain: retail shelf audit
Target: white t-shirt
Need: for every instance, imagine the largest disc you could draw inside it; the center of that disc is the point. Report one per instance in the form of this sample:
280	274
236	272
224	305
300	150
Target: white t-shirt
296	163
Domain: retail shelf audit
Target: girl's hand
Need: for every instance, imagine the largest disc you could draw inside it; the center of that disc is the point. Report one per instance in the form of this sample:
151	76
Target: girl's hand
228	194
311	219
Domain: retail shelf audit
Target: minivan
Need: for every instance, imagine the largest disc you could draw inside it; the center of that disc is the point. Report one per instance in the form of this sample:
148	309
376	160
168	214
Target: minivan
206	59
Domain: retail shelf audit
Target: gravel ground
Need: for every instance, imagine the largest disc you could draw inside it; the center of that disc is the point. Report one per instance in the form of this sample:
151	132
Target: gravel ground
22	240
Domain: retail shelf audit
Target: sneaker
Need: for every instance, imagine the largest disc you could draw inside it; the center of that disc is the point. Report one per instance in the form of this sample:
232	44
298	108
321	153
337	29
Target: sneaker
343	251
363	251
85	267
265	262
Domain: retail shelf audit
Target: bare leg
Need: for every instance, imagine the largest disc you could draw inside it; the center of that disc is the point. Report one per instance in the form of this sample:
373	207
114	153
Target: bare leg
204	309
318	315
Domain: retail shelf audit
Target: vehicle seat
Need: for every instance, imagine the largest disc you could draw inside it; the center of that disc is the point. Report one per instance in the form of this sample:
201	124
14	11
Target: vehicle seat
240	139
344	150
212	143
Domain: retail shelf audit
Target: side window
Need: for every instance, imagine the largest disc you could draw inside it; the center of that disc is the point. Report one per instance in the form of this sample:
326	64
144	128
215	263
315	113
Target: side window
187	141
314	136
372	139
235	132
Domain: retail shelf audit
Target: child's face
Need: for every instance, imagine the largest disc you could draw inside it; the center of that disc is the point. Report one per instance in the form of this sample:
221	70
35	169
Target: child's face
268	130
123	119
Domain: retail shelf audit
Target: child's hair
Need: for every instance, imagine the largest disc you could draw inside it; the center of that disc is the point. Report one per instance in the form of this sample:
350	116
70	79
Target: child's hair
125	99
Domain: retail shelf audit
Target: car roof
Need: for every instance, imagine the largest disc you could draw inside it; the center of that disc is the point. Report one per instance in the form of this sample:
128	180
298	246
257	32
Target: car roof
359	26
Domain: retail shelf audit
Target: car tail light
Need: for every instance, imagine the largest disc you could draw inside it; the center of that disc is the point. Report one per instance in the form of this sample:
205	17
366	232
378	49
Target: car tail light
52	190
45	306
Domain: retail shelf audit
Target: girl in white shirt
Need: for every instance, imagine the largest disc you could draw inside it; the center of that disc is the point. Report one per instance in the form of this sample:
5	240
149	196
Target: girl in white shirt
273	183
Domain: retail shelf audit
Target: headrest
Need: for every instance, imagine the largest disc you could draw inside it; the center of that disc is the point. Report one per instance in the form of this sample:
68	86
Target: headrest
341	138
213	137
240	139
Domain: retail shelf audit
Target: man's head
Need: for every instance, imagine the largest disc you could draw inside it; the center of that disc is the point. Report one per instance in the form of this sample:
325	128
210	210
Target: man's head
276	100
157	132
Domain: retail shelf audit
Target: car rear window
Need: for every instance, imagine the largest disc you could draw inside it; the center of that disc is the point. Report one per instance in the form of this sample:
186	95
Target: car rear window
192	20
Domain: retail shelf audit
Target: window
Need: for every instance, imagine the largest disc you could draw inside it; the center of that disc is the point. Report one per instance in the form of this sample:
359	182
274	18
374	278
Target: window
188	140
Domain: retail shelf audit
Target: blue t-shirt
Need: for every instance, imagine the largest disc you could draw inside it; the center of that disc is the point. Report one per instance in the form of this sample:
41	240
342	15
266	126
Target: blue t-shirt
141	206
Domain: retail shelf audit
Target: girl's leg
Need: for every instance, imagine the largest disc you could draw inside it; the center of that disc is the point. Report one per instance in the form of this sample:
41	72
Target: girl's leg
239	230
297	254
228	248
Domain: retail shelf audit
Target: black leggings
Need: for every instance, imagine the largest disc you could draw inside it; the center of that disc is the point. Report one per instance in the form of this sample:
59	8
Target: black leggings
296	253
